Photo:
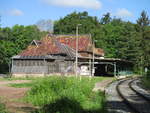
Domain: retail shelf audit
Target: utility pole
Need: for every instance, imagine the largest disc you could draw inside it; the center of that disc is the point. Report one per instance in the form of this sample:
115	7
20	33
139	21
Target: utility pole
77	38
93	58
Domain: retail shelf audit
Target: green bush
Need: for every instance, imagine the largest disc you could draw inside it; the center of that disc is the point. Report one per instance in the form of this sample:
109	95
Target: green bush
66	95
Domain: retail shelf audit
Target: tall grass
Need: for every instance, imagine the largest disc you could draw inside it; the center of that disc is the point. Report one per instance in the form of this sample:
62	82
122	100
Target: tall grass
66	95
2	108
146	80
21	85
12	78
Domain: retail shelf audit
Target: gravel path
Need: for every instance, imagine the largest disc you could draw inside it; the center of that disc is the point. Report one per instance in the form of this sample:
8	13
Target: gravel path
102	85
9	95
139	103
139	88
114	103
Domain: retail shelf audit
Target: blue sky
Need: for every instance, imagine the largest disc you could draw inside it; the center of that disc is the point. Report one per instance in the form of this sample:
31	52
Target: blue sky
27	12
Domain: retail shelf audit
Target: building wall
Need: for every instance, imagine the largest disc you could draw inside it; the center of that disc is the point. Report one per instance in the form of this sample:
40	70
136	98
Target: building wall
60	66
28	67
41	67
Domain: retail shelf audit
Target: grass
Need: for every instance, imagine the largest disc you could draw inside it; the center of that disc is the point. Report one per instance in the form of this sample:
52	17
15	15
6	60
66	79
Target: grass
146	79
63	94
2	108
21	85
146	82
66	95
12	78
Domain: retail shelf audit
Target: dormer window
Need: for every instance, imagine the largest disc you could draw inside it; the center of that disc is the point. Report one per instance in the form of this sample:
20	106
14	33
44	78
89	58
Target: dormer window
35	43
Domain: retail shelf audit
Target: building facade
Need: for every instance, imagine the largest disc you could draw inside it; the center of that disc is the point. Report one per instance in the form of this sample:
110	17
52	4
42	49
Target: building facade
55	54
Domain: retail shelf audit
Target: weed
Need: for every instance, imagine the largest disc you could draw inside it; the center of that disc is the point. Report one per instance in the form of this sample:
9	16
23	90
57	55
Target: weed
146	82
21	85
66	95
2	108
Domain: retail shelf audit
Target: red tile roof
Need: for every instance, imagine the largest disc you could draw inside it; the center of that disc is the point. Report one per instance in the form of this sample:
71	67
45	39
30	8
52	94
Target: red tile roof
84	42
48	45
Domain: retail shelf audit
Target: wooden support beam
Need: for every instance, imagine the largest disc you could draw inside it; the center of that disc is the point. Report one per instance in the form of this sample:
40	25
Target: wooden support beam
115	69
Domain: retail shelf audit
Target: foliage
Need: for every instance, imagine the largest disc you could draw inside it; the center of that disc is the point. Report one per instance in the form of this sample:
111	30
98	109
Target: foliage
143	30
17	78
118	38
21	85
105	19
143	21
66	95
2	108
67	25
13	40
145	81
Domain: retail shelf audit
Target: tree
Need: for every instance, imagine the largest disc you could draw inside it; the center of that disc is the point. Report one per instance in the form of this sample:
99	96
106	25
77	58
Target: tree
127	45
146	49
114	35
143	21
105	19
67	25
142	29
15	39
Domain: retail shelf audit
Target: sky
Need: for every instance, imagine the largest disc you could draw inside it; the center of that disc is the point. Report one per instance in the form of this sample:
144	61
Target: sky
28	12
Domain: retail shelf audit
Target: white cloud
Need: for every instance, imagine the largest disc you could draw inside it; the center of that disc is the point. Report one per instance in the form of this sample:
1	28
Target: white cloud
123	13
15	12
92	4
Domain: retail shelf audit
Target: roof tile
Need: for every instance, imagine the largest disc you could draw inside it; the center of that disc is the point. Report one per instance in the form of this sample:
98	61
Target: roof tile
48	45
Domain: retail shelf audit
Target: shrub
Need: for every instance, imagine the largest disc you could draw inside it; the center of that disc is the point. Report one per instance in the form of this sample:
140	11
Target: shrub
65	95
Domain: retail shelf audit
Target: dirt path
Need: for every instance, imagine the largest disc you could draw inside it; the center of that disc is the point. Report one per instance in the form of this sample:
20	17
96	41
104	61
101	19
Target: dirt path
9	95
102	85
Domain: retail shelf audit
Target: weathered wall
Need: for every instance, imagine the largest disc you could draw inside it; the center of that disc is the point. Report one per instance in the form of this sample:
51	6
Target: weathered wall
41	67
28	75
60	66
28	67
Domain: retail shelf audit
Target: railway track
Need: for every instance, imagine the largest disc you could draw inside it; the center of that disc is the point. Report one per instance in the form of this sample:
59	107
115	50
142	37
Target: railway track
136	101
139	91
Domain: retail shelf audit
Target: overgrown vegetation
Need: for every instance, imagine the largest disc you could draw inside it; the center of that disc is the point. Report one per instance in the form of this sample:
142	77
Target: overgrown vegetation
146	80
20	85
21	78
2	108
66	95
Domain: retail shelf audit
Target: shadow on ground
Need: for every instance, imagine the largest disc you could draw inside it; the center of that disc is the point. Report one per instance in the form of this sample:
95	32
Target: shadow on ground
117	107
27	109
65	105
